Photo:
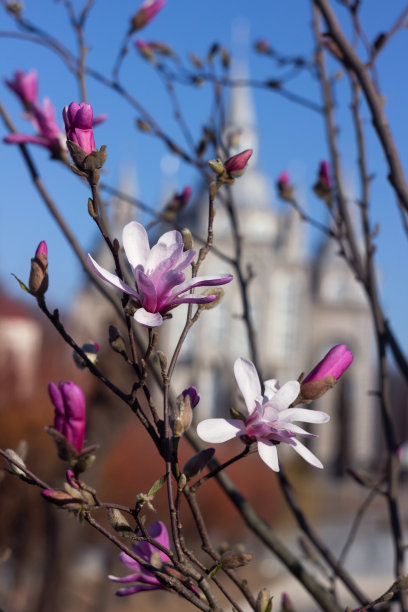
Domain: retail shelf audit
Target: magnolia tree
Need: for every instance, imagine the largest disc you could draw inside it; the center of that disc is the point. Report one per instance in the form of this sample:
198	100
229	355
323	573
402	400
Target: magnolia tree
152	280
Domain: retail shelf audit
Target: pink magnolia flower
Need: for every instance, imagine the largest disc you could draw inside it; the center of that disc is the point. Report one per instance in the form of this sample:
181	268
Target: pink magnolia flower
78	121
48	135
25	86
146	13
69	403
145	49
335	363
270	419
283	180
160	284
324	175
145	580
235	165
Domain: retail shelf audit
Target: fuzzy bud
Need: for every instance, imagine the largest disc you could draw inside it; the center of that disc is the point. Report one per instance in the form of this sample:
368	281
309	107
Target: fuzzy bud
198	462
145	14
188	241
17	459
91	351
117	520
285	189
263	601
323	186
232	559
116	341
316	388
38	282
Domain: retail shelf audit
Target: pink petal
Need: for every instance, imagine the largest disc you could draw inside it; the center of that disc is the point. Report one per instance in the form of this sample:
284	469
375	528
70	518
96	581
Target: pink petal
158	532
148	319
192	299
269	454
147	291
248	382
138	588
219	430
203	281
26	139
136	244
306	454
111	278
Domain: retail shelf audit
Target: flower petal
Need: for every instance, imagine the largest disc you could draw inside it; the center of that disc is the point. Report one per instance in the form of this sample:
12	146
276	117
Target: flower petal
248	382
138	588
147	290
192	298
26	138
203	281
136	244
285	395
306	454
269	454
111	278
158	532
303	414
148	319
271	387
171	238
219	430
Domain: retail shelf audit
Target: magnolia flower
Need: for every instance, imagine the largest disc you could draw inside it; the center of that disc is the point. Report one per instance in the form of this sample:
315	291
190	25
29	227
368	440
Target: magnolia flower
324	175
38	282
160	284
145	580
146	14
69	403
78	121
25	86
270	419
284	186
145	49
48	135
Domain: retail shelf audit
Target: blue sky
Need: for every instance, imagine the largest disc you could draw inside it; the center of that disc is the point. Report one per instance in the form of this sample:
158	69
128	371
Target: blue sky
291	136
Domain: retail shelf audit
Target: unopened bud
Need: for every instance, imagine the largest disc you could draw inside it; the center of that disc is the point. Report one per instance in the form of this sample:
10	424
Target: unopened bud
188	241
182	481
316	388
235	166
216	166
61	498
143	126
198	462
91	351
285	189
218	292
263	601
116	341
117	520
232	560
17	459
38	282
287	603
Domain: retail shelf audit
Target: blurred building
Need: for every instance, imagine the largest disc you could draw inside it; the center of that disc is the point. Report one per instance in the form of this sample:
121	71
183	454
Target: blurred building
301	303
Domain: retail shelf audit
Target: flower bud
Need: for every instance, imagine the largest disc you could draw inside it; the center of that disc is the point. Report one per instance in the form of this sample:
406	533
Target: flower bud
69	403
323	185
235	166
262	46
285	189
25	86
145	49
316	388
78	120
333	364
116	341
145	14
38	282
216	166
91	351
188	241
198	462
232	559
263	601
183	413
287	603
177	203
16	460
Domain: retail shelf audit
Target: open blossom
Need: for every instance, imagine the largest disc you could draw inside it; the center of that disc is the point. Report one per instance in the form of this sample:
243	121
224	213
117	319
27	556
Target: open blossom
160	284
25	86
270	419
48	135
146	14
78	121
69	403
145	580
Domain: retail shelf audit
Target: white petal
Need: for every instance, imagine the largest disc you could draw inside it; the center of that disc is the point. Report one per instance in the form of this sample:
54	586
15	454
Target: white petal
171	238
269	455
219	430
303	414
298	430
136	244
248	382
148	319
271	387
306	454
286	395
111	278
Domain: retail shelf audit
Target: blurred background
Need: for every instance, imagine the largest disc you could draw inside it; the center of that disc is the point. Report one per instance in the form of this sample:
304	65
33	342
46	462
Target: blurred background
303	296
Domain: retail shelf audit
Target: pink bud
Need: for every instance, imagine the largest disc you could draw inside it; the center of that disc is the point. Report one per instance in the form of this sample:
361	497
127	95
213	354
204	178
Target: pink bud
69	403
42	249
324	175
333	364
194	396
235	165
285	189
262	46
25	86
78	120
145	49
146	14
